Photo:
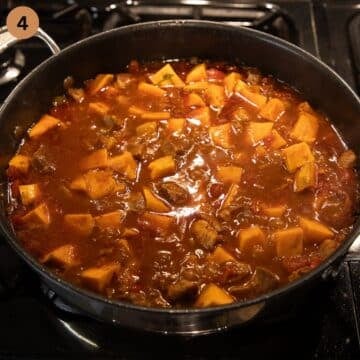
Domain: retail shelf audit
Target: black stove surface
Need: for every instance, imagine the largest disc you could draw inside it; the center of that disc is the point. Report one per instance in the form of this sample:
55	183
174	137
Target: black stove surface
35	323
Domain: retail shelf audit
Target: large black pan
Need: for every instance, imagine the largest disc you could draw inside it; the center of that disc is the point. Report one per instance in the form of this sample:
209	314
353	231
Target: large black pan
110	52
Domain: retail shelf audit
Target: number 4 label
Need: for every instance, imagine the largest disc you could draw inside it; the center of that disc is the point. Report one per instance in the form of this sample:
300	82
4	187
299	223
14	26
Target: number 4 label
22	22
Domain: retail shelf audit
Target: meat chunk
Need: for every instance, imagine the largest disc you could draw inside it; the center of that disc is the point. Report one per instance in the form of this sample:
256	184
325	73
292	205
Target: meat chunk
174	193
42	160
182	288
204	233
262	280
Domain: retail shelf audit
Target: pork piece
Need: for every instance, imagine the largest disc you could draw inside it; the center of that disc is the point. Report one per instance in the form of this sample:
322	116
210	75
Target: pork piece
42	161
173	193
204	234
263	280
182	288
235	271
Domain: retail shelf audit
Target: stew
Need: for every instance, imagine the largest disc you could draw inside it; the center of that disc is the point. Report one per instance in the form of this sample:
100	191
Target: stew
182	184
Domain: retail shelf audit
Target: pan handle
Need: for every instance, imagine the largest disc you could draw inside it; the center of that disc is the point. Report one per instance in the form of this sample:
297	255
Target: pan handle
7	40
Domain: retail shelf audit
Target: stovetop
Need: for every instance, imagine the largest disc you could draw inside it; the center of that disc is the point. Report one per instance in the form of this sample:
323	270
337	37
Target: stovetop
35	323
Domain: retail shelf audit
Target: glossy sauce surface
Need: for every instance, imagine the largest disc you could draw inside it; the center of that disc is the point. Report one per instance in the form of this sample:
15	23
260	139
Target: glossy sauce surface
182	185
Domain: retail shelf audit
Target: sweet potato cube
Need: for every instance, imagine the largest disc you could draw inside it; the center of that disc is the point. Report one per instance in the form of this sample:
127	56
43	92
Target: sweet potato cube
29	193
111	220
297	155
38	217
198	73
250	237
155	115
260	150
250	96
161	167
123	100
78	184
274	211
230	81
306	128
196	86
99	184
347	159
153	203
193	100
77	94
166	76
99	277
20	163
63	256
124	245
99	108
272	110
125	164
156	222
97	159
289	242
81	224
221	256
45	124
221	135
130	232
277	141
305	177
314	231
215	95
230	196
200	116
151	90
135	110
259	130
229	174
100	82
212	295
240	114
176	125
147	128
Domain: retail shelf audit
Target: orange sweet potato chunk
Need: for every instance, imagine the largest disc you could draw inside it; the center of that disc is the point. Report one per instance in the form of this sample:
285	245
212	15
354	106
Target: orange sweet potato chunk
98	278
63	256
272	110
230	81
45	124
99	184
154	203
97	159
250	237
200	116
81	224
229	174
161	167
212	295
305	177
110	220
156	222
314	231
29	193
297	155
259	130
21	163
193	100
306	128
274	211
148	128
215	95
221	256
125	164
155	115
99	108
166	77
221	135
277	140
198	73
289	242
254	98
100	82
151	90
176	125
38	217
